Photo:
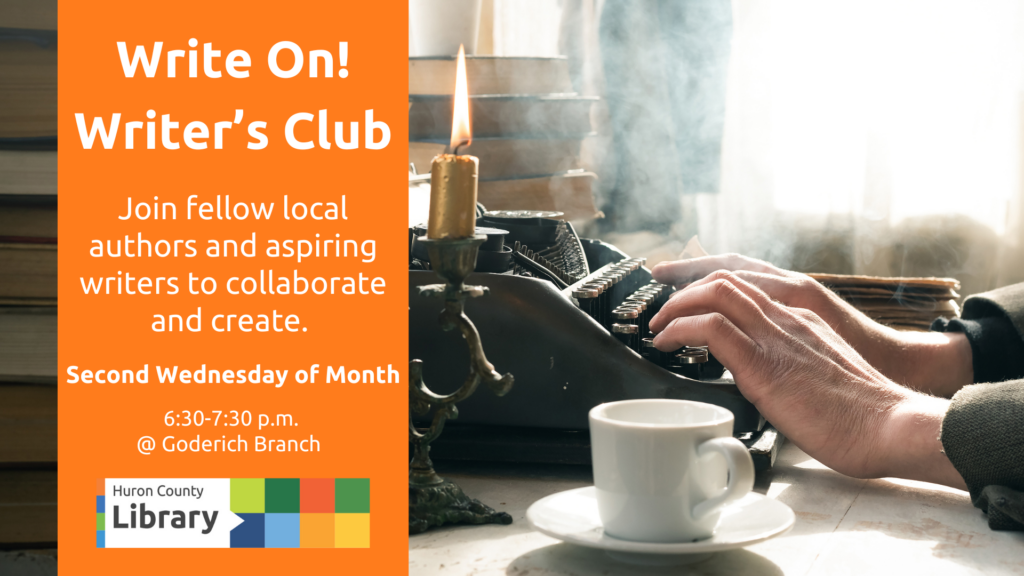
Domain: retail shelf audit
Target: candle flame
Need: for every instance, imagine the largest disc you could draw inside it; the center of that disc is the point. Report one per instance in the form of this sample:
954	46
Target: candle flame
462	133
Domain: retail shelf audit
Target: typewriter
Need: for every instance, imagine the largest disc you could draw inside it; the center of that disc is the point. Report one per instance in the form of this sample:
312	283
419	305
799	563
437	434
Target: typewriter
568	317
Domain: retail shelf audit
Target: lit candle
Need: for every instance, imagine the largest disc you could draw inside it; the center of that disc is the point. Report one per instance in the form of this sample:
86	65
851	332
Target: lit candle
453	176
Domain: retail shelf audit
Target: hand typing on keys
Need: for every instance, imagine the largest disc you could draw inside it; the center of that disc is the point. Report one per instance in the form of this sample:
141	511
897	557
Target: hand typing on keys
934	362
773	329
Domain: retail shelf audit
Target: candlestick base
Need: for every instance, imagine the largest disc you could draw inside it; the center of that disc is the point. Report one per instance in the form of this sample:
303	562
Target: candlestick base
434	501
446	503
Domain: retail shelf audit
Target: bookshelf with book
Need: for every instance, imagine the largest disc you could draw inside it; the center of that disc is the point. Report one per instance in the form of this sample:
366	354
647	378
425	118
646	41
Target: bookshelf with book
28	274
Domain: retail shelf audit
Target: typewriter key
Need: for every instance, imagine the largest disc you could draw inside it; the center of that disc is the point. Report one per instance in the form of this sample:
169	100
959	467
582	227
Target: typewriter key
632	278
587	298
634	304
617	290
627	334
587	293
647	300
641	307
690	355
625	314
640	297
688	361
603	307
648	351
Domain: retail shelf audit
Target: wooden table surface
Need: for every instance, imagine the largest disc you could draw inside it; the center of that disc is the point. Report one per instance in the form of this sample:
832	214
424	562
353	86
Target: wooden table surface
843	526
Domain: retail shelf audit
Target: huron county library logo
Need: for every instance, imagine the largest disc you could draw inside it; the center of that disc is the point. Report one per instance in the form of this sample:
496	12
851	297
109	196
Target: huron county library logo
233	513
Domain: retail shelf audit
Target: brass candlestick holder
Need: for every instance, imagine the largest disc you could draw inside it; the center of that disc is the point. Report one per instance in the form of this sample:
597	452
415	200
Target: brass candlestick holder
434	501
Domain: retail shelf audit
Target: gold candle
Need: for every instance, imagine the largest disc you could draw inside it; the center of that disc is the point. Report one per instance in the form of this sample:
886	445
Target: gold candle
452	196
453	176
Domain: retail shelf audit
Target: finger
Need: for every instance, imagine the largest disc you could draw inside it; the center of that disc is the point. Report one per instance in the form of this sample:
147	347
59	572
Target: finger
796	290
685	271
751	283
784	315
792	319
721	296
727	342
799	322
779	288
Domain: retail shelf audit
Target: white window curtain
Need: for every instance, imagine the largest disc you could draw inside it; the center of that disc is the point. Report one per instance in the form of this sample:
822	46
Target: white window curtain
862	136
893	125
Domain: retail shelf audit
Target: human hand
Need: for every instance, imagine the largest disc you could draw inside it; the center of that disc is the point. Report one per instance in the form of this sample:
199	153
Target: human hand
933	362
808	382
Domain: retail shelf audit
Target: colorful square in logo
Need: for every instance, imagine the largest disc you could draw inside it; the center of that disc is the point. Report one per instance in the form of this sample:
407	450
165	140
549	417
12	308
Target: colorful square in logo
317	495
352	496
351	530
251	533
316	530
248	495
282	495
282	530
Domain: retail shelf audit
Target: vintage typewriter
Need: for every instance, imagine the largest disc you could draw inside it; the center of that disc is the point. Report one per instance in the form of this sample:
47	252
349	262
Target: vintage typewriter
568	317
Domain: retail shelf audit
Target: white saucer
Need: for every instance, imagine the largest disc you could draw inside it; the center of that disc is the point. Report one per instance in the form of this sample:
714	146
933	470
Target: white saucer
572	516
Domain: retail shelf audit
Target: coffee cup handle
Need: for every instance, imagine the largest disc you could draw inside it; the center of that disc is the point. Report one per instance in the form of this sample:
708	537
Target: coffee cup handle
741	473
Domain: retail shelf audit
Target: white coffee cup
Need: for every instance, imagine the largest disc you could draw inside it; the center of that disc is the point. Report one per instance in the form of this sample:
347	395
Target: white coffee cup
661	468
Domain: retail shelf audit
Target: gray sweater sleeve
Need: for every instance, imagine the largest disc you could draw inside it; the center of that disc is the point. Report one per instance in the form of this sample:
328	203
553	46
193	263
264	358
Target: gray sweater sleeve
983	431
983	436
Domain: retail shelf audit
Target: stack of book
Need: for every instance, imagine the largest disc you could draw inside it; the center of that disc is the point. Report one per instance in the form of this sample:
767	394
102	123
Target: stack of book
28	274
903	303
528	128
